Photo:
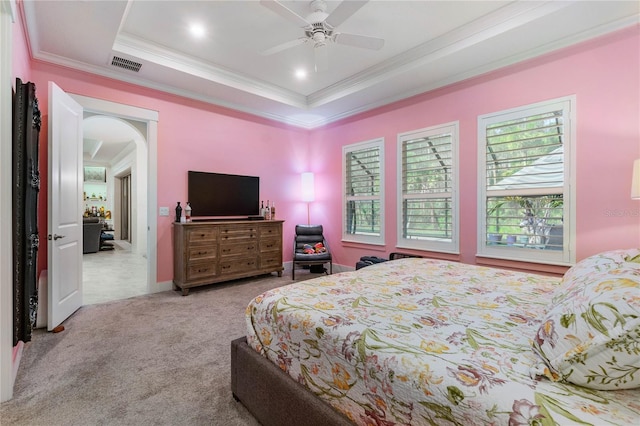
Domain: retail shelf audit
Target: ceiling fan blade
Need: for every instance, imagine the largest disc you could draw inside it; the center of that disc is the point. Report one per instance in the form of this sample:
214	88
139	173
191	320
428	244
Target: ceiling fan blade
355	40
321	58
285	12
344	11
285	46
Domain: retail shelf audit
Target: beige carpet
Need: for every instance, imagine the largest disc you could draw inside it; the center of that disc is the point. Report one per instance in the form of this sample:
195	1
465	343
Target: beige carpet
160	359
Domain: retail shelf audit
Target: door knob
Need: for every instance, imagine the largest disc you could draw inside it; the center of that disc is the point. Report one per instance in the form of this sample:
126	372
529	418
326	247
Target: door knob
55	237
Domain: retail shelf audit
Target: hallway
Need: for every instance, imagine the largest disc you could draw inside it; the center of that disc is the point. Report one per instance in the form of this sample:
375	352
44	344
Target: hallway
113	275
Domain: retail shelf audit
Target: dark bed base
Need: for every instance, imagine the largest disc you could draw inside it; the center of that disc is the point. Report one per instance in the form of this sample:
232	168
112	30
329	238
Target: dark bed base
272	396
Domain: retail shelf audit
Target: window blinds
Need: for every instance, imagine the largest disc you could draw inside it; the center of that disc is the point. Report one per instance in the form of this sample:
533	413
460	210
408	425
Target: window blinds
363	190
525	153
427	187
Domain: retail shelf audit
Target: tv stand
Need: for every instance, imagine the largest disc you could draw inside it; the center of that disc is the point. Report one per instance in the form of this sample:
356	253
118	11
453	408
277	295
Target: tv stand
216	251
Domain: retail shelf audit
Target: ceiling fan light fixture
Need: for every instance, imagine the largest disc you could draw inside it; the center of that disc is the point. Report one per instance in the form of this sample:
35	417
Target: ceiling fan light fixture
197	30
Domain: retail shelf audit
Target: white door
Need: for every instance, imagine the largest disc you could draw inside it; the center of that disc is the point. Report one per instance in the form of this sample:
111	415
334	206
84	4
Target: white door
65	203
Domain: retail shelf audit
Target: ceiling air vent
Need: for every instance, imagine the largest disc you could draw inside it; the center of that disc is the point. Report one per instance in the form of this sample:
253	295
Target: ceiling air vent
117	61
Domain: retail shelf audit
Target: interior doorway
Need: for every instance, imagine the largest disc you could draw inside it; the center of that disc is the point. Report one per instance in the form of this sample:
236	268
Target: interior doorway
143	221
117	149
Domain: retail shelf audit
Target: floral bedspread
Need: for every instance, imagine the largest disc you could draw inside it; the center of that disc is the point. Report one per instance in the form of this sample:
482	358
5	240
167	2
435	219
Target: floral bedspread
425	342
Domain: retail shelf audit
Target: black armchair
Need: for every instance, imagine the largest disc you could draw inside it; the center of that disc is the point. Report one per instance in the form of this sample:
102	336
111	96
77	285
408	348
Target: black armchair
91	230
310	236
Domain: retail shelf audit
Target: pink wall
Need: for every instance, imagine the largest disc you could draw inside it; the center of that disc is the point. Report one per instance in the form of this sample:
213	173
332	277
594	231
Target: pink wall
604	75
20	58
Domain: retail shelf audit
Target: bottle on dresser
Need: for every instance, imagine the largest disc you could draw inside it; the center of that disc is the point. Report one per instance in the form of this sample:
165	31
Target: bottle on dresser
273	210
262	212
187	212
267	211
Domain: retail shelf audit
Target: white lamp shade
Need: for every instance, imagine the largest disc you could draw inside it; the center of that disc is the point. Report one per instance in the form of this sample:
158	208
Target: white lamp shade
635	183
308	193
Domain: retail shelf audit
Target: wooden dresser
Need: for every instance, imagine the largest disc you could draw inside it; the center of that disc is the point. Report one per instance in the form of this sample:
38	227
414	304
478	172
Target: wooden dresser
211	252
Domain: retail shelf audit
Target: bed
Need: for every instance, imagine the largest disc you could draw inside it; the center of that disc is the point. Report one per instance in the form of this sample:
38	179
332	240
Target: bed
419	341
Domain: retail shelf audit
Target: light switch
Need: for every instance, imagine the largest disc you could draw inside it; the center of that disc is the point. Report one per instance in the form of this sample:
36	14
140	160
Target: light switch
164	211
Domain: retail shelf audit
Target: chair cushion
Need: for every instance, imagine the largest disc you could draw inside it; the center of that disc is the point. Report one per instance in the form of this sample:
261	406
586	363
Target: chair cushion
591	333
299	255
309	230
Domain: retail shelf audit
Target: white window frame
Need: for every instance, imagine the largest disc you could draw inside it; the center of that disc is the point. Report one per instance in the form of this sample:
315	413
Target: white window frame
566	256
361	238
433	244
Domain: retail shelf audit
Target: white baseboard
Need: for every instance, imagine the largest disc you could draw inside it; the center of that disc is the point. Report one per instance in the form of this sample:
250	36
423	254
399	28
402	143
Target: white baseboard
42	311
162	286
168	285
15	360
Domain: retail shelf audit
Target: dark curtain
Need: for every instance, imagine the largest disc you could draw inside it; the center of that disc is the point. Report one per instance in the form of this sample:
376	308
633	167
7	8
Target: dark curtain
26	185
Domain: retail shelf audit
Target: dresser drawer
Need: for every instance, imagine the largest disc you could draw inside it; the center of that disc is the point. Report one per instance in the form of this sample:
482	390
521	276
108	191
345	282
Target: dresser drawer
270	244
204	234
271	260
201	270
202	252
242	248
270	230
238	232
239	265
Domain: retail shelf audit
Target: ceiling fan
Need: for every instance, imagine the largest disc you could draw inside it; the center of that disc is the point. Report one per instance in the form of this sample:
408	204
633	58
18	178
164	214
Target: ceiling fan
320	28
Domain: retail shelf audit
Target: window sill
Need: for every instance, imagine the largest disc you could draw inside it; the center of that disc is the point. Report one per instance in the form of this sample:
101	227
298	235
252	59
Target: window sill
360	244
516	265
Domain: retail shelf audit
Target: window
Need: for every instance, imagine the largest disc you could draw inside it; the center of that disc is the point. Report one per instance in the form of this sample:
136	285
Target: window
427	178
363	177
524	175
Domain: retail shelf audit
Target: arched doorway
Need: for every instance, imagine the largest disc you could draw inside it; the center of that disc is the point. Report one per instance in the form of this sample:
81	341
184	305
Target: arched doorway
117	147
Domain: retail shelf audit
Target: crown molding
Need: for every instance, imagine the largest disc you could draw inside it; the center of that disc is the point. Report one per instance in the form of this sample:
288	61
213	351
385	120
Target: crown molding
162	56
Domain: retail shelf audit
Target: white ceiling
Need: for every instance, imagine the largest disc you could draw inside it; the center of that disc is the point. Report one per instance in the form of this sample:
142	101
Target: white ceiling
428	44
107	140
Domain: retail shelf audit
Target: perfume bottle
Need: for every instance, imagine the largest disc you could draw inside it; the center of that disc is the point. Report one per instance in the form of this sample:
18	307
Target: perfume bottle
187	212
178	212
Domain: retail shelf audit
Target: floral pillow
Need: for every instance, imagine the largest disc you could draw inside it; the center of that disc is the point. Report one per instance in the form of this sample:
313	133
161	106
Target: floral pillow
601	262
591	334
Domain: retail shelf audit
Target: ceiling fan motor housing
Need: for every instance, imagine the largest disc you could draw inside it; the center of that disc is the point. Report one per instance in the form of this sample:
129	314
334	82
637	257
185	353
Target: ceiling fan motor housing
319	33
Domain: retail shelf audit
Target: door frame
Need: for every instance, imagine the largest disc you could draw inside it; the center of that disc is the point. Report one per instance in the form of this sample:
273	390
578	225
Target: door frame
150	117
8	15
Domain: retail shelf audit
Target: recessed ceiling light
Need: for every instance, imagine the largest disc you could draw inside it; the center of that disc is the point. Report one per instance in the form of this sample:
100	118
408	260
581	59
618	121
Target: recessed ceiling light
197	30
301	73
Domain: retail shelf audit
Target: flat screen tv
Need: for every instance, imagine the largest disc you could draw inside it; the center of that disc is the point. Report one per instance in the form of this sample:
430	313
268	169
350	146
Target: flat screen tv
222	195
